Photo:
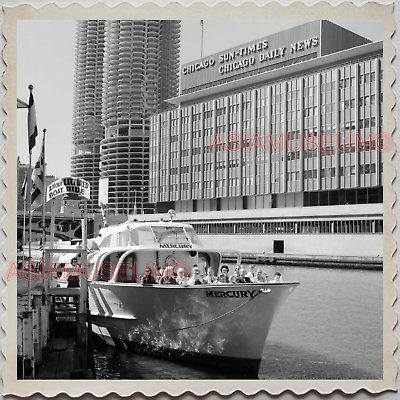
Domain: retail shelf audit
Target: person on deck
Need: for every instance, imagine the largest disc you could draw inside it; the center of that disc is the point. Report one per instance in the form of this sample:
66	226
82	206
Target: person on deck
252	272
168	276
223	277
73	276
181	278
195	279
225	270
235	274
259	278
210	277
242	278
278	278
148	279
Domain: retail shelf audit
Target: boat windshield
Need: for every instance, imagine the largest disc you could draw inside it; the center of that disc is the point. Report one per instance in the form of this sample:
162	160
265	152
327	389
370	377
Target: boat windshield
175	235
193	236
145	235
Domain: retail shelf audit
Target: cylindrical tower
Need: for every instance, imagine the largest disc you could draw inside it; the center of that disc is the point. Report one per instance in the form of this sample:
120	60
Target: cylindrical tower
87	130
169	66
140	72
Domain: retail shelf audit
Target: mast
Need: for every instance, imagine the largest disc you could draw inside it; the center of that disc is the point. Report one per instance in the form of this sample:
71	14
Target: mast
32	133
44	194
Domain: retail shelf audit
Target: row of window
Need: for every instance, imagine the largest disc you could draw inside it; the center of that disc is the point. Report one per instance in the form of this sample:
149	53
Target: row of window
289	227
326	120
346	104
371	195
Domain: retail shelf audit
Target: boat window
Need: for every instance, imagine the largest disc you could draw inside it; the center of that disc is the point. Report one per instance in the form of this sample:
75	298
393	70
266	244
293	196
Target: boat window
145	235
126	270
107	270
123	238
105	242
151	235
110	241
170	234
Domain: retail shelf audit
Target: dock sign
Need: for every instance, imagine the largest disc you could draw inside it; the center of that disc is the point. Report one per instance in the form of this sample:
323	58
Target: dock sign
68	185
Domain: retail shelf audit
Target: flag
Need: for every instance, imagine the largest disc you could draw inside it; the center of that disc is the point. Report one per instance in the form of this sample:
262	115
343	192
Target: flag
21	104
24	186
38	182
32	127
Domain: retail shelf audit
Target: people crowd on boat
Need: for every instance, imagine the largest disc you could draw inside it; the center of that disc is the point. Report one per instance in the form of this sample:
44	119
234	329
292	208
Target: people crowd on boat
169	275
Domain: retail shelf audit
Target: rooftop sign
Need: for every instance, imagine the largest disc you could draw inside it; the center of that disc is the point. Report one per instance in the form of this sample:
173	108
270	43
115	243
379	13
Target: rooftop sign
254	54
279	49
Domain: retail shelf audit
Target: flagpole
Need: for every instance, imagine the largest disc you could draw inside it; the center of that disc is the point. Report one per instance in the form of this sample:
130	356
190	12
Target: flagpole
24	196
23	231
44	201
30	87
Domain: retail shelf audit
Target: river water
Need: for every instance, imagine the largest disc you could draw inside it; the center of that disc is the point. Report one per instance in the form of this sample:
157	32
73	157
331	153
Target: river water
330	327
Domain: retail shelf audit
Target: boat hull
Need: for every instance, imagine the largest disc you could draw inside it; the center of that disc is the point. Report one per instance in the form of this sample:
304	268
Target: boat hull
218	324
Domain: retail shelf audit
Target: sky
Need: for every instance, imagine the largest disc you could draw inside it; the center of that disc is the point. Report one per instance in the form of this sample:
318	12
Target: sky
45	59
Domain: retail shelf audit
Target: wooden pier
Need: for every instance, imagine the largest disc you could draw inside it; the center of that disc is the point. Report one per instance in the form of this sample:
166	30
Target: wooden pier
67	351
70	351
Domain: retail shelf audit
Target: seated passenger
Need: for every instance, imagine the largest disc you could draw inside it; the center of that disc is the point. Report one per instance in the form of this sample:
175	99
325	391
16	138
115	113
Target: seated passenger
159	274
181	278
168	276
252	272
242	278
196	278
210	278
235	274
259	278
221	278
278	278
148	278
225	270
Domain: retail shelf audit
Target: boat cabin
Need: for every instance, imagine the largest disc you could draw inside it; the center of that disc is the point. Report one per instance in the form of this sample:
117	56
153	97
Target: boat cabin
126	250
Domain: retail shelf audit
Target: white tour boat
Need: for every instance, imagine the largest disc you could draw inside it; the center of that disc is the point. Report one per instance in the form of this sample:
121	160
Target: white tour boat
222	324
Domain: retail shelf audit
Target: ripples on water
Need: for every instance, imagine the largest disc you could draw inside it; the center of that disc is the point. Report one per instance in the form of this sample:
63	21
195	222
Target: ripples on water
330	327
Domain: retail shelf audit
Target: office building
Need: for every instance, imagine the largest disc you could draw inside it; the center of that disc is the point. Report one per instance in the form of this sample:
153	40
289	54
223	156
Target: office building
275	145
